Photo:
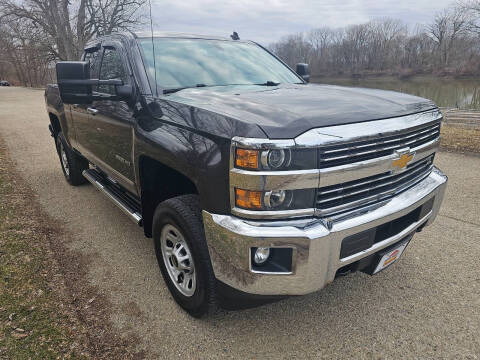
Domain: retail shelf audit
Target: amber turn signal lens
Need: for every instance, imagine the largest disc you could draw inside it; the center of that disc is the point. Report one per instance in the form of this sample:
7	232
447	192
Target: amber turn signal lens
248	199
246	158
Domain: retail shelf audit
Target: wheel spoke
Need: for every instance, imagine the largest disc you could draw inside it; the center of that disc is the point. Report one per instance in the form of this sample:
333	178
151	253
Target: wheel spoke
186	267
186	280
181	254
175	273
168	251
179	249
189	281
172	237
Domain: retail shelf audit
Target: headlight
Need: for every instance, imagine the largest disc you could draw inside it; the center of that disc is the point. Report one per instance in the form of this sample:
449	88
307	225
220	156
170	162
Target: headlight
276	159
272	179
274	200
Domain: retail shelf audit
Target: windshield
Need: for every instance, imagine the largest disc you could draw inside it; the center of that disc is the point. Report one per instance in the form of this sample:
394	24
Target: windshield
200	62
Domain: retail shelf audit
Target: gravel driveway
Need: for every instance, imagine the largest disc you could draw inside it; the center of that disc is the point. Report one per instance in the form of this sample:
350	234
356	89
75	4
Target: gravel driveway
426	306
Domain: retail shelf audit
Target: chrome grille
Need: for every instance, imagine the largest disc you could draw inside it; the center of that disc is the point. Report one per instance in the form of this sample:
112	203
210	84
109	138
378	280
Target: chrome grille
339	198
353	152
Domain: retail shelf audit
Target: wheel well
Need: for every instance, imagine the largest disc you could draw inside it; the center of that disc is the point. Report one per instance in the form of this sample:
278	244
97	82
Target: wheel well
159	183
55	124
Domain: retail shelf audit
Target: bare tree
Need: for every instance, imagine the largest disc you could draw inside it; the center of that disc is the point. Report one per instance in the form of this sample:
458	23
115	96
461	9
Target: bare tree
384	49
293	49
320	40
69	24
471	7
445	30
387	46
107	16
26	51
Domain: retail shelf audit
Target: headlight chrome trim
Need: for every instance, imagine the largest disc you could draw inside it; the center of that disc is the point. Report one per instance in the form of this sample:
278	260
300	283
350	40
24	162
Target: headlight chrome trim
273	214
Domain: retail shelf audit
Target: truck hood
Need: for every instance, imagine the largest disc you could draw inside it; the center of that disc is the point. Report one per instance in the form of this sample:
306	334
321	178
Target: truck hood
286	111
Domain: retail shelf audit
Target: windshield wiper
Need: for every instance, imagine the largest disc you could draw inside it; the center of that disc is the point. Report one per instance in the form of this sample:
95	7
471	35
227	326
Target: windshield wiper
174	90
269	83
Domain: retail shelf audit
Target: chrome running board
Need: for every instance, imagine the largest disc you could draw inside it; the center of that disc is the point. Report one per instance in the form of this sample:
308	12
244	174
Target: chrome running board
128	205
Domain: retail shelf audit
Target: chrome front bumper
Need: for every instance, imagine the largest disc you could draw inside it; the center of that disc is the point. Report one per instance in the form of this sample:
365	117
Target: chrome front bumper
316	243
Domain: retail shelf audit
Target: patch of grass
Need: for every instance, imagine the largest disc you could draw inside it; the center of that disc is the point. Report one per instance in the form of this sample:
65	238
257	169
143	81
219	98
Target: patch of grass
460	139
33	323
48	308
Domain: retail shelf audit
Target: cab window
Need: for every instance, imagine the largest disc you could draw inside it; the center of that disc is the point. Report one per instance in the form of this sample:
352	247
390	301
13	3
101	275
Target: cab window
112	68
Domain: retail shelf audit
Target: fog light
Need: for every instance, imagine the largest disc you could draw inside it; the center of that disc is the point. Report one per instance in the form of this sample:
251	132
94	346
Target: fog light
261	255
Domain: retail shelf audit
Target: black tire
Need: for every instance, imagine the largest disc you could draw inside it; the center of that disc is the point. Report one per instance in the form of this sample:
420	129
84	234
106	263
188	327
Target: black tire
75	163
184	213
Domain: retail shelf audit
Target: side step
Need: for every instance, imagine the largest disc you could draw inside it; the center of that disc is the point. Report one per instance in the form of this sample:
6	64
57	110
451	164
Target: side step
128	205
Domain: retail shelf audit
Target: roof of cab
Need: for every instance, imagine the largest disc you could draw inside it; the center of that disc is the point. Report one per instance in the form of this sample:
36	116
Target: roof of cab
163	34
157	34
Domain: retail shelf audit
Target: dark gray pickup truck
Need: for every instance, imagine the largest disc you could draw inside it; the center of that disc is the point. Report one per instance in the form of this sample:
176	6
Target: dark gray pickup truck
254	184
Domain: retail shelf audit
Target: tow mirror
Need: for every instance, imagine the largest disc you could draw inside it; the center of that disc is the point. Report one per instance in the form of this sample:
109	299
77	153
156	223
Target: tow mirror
72	85
75	85
303	71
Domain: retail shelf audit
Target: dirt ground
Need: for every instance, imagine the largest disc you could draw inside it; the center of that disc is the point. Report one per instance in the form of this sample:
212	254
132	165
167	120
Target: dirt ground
426	306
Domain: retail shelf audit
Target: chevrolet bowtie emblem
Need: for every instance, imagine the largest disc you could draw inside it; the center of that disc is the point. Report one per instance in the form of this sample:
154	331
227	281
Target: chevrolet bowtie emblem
403	161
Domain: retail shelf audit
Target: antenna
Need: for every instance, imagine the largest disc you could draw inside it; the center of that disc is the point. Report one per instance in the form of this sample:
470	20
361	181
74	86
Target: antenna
153	48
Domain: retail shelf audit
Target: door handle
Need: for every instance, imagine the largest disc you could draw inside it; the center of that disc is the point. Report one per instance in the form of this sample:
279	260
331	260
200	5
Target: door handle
92	110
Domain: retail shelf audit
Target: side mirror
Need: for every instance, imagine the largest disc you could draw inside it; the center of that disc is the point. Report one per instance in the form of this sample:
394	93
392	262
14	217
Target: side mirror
75	85
72	79
303	71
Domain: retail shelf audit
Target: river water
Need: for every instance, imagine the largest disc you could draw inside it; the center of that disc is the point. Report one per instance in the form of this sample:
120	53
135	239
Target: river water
445	92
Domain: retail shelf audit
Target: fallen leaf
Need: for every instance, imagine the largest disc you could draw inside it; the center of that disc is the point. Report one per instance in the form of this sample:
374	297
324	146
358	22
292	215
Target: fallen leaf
10	317
91	300
19	335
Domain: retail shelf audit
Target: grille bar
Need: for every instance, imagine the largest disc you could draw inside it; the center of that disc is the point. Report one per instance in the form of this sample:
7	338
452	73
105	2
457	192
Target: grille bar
371	180
343	197
431	129
370	149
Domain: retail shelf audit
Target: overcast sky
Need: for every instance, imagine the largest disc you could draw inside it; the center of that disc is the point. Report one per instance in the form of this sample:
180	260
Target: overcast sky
268	20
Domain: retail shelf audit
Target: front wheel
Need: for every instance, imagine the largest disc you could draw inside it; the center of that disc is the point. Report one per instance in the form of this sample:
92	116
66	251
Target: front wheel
72	163
182	254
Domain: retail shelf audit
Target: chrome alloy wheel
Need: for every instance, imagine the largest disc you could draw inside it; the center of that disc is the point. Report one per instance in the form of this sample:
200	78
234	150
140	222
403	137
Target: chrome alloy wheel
63	157
178	260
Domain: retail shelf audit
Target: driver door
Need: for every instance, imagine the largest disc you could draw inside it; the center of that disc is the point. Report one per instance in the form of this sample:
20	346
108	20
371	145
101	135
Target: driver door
112	121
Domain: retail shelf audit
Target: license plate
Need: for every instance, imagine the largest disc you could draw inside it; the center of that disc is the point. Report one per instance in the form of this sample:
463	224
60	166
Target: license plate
390	257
